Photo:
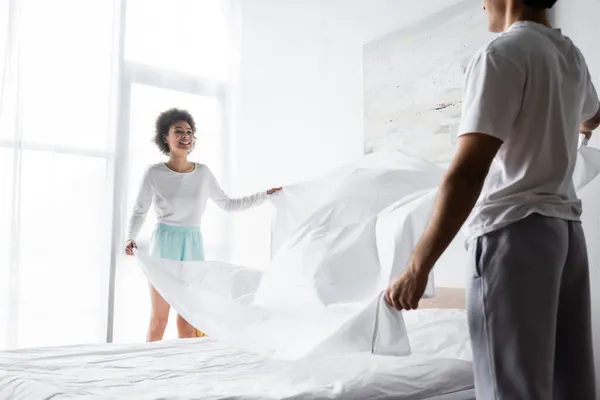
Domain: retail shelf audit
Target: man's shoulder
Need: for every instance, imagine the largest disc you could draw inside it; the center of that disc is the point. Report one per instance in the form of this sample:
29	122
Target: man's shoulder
511	45
517	48
500	52
529	42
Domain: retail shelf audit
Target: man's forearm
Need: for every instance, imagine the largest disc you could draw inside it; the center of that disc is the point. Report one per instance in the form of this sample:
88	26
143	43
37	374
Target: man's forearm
590	125
456	198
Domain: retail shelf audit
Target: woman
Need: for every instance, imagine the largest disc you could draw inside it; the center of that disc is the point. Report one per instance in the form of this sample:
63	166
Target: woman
179	190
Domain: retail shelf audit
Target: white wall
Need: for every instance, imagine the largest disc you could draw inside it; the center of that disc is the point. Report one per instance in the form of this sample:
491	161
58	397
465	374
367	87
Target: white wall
579	20
301	93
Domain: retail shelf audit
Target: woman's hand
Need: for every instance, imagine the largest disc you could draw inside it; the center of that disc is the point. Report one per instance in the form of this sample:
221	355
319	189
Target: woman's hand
274	190
129	246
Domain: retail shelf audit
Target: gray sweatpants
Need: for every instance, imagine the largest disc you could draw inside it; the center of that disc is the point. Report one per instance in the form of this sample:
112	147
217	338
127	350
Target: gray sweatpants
529	312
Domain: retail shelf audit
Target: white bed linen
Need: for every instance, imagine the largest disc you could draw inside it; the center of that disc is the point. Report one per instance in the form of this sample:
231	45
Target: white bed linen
207	369
322	294
337	243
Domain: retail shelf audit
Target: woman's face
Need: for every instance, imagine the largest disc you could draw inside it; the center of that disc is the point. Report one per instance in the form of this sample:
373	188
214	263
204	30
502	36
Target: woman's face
180	138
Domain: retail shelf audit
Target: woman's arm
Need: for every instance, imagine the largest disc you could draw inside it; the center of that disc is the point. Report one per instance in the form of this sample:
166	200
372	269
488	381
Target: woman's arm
221	199
140	208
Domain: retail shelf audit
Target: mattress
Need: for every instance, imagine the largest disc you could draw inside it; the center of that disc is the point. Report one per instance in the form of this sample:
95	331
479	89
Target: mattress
209	370
461	395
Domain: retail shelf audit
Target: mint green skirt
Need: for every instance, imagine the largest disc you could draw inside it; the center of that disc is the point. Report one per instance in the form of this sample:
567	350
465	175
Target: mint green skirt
178	243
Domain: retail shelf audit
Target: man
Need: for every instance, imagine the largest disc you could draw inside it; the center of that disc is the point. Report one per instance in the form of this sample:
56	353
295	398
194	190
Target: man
527	95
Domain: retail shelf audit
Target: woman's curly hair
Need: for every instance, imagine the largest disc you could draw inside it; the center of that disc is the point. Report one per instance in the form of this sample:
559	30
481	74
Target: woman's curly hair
164	122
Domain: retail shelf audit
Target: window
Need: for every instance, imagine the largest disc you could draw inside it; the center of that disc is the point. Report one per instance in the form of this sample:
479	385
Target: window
183	36
54	235
176	54
83	84
6	194
63	248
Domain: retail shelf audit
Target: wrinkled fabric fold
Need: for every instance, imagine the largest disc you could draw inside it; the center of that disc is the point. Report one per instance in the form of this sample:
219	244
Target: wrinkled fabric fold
337	241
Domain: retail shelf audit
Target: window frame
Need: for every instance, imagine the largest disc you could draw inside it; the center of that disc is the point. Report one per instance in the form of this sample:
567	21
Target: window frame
133	73
125	75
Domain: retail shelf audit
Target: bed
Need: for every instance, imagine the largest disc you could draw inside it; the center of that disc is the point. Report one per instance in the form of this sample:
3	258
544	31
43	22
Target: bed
438	369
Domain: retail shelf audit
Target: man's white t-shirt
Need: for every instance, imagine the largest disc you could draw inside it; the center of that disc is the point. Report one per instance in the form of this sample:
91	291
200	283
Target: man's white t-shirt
531	89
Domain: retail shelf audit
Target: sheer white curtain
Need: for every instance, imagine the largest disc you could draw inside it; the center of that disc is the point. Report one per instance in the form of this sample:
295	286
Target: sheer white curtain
82	82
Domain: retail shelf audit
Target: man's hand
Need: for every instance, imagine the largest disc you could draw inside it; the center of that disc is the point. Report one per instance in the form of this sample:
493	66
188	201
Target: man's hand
590	125
407	289
456	197
586	137
587	134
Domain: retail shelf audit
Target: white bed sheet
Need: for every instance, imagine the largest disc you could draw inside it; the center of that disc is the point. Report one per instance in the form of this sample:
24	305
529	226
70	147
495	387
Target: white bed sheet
206	369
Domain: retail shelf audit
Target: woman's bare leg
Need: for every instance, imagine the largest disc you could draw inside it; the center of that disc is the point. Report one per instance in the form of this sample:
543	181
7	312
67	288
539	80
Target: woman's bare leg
184	329
158	318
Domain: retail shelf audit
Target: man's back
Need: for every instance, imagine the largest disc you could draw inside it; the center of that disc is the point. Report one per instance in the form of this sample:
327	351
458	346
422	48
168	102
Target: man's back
551	94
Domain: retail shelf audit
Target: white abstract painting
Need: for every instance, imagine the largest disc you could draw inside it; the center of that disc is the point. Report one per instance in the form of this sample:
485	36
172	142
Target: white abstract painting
413	82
